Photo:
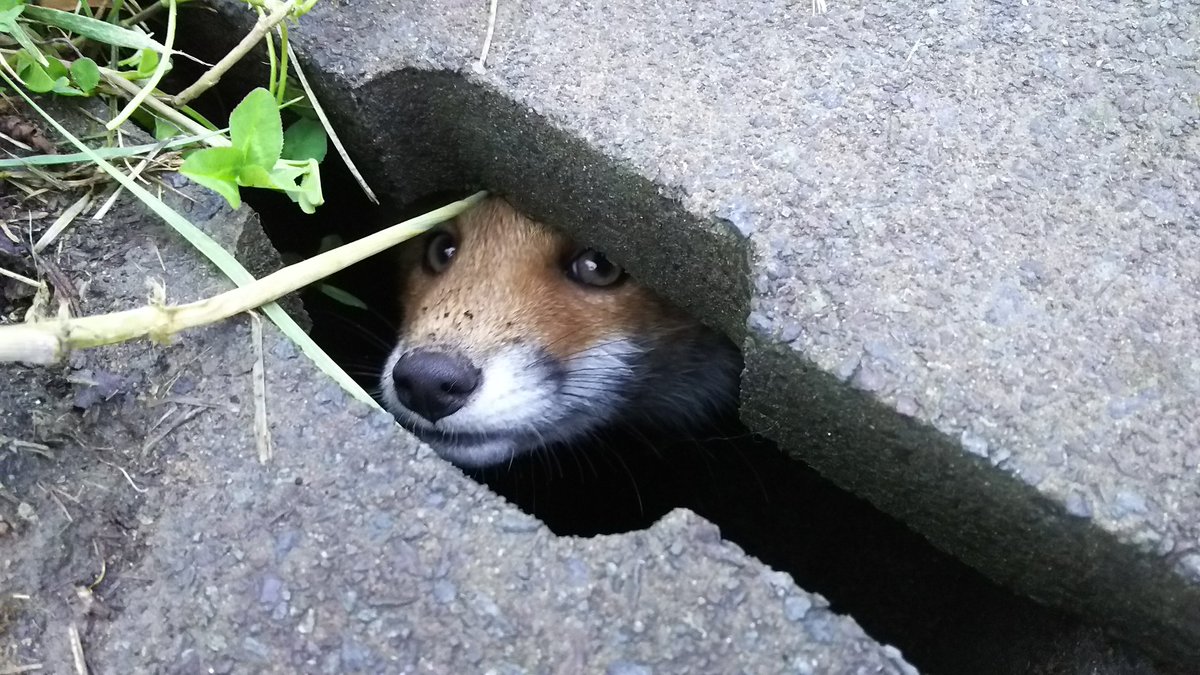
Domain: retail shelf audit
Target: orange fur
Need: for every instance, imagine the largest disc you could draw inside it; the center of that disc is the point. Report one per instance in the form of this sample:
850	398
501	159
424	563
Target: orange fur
501	350
506	284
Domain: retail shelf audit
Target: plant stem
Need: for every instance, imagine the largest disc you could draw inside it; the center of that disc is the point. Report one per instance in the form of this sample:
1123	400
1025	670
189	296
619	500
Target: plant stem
147	13
283	63
162	109
209	79
337	142
49	341
164	63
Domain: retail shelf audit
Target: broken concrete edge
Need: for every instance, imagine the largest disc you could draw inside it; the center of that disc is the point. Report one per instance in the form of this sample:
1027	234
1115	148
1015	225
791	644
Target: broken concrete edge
453	129
962	503
496	143
220	537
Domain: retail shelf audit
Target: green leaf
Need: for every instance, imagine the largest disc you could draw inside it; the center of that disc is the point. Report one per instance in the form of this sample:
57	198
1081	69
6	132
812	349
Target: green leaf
50	78
34	76
142	62
256	130
100	31
8	24
62	87
147	64
62	82
56	69
164	129
342	296
216	169
85	73
305	139
307	191
253	175
310	197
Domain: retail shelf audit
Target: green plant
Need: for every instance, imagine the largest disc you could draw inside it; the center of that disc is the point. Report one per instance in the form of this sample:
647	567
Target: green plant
76	54
60	53
262	155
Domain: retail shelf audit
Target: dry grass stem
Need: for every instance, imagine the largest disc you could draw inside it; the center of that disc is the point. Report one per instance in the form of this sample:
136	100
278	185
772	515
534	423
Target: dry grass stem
19	670
77	650
49	341
262	430
333	137
63	221
481	65
20	277
157	438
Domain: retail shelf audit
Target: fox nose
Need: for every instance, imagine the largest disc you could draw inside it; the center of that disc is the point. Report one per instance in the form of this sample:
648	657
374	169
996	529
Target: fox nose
434	384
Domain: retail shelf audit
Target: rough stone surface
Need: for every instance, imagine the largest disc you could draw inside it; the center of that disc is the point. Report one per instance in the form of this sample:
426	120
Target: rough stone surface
973	290
134	508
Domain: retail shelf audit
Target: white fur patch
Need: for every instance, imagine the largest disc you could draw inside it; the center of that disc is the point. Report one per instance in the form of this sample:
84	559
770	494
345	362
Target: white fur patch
526	399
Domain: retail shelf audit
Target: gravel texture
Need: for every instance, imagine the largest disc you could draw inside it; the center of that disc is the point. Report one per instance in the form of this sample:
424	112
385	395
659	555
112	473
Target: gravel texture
961	238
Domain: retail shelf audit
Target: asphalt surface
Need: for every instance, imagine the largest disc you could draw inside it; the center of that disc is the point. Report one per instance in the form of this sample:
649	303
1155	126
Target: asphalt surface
960	239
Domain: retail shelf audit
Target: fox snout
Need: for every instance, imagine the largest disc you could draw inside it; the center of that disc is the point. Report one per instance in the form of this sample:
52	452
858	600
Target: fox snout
434	384
513	338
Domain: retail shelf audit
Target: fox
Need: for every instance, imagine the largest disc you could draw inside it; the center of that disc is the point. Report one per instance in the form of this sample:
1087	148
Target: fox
514	339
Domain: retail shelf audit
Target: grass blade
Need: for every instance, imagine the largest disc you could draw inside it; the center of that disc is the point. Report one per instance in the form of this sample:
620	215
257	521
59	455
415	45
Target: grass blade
164	64
94	29
106	153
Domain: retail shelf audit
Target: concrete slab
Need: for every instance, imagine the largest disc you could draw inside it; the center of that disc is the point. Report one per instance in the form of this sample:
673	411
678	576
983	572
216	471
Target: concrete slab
134	509
971	288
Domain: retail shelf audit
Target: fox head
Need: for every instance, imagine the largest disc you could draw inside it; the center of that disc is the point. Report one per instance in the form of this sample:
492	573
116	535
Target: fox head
514	339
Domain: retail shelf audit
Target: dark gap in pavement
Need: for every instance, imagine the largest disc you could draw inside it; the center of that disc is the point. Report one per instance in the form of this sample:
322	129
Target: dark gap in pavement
945	617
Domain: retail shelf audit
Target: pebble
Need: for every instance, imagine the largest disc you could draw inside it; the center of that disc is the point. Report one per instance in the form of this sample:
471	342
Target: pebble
795	607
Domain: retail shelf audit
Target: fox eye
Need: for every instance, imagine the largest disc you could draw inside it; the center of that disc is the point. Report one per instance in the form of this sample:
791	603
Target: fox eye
441	248
591	268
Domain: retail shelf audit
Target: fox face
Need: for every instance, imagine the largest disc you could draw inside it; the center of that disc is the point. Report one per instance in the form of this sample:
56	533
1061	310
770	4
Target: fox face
513	339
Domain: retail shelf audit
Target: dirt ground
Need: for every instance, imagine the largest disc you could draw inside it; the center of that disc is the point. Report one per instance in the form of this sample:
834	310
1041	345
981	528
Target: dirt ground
82	445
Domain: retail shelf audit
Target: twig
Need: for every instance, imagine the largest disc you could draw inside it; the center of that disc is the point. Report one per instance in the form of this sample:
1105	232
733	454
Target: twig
20	277
48	341
337	142
62	222
61	506
262	430
164	64
43	450
163	110
15	142
146	13
18	670
127	476
137	171
64	288
103	566
210	78
153	441
481	66
77	650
